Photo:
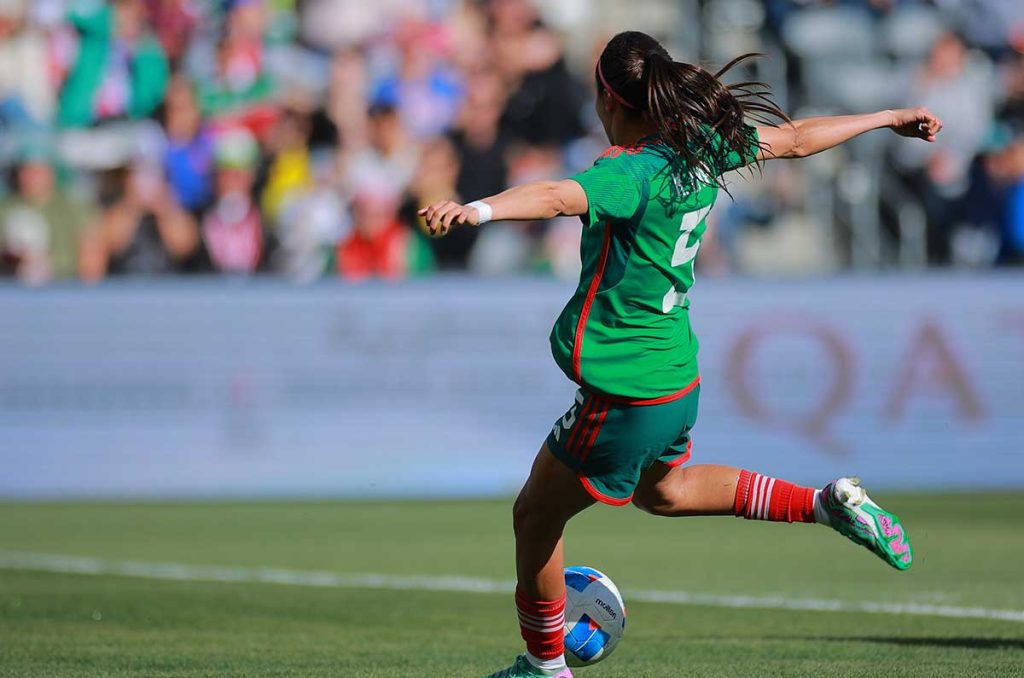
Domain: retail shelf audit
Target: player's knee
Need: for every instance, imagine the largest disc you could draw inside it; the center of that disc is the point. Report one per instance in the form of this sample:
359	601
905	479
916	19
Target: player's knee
653	500
529	517
521	514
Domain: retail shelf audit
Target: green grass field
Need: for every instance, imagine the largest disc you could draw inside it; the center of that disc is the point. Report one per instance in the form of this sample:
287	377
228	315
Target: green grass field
969	553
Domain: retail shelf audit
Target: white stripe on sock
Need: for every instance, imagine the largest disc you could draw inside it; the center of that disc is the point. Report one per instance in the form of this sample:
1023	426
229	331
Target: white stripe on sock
763	504
767	500
543	629
762	483
538	619
752	497
535	618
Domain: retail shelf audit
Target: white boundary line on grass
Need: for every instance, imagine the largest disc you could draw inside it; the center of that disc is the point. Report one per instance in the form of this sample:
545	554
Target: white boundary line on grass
42	562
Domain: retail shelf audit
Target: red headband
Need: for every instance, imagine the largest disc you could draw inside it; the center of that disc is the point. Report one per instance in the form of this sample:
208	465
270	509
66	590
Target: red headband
600	75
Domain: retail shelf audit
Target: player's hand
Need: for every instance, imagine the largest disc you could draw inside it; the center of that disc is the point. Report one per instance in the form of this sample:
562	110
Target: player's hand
917	123
442	215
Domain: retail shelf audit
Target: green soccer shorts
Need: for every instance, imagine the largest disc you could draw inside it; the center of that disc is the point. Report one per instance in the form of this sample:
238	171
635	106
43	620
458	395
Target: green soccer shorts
608	443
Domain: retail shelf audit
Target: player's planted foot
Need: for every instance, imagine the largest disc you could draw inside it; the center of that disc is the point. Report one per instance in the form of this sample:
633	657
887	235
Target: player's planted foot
852	513
522	668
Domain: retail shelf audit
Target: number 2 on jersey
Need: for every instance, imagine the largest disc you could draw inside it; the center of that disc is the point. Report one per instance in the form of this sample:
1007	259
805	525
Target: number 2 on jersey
684	254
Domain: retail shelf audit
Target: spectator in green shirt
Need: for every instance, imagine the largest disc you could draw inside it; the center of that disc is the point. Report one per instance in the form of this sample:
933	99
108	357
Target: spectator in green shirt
121	70
40	224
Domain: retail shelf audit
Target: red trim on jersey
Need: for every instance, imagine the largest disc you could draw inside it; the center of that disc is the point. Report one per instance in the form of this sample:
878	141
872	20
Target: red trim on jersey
682	458
598	495
577	348
578	426
592	438
616	151
618	400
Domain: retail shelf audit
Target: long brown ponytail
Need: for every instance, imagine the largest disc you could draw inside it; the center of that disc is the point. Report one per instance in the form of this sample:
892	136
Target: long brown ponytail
701	118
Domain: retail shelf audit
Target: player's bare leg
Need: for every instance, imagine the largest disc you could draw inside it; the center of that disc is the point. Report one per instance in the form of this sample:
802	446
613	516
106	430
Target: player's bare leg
698	490
551	496
707	490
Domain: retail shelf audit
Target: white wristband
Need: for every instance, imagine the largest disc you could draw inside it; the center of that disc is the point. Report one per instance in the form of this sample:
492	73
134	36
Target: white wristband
483	210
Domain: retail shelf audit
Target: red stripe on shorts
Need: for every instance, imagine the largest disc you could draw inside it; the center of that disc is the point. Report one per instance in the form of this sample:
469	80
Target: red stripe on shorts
592	438
579	425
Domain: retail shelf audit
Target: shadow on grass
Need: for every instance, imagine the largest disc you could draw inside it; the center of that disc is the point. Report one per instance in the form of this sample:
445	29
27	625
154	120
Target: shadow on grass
930	641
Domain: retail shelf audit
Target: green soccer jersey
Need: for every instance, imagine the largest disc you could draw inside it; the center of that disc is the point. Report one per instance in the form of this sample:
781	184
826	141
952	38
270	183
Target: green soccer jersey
626	330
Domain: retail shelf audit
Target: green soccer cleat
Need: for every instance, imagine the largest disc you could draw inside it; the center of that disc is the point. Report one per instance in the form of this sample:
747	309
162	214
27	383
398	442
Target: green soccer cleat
854	515
522	668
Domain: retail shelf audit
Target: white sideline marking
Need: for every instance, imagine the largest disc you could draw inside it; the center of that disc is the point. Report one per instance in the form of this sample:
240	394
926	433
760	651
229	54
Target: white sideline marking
42	562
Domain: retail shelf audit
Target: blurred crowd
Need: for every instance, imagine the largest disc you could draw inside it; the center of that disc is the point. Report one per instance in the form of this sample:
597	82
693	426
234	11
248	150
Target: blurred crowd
147	137
972	183
959	201
300	137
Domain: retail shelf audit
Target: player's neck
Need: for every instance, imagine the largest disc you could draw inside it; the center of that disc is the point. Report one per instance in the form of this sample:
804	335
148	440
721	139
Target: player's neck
629	132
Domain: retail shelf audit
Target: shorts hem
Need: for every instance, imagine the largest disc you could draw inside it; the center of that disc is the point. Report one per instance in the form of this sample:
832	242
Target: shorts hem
600	496
682	458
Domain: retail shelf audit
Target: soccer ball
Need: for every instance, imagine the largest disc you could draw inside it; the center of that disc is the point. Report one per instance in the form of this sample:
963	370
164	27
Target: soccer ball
595	616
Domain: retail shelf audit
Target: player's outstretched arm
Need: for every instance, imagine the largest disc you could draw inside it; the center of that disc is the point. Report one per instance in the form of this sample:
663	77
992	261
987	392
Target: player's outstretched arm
802	138
528	202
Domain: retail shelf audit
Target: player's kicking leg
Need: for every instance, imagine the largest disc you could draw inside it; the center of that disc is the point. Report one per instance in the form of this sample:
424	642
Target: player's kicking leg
708	489
551	496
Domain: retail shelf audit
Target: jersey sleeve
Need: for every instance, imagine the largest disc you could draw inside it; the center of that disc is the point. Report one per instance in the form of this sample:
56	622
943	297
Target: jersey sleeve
612	193
734	160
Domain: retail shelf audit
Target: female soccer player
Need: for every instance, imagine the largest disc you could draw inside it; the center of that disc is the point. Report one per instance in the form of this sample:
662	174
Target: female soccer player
625	335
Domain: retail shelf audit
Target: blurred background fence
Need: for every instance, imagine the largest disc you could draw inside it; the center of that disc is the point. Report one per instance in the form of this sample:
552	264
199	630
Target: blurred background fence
444	388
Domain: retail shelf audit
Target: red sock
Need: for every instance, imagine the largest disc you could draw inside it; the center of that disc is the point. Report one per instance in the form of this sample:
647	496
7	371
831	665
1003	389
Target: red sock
761	497
542	625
